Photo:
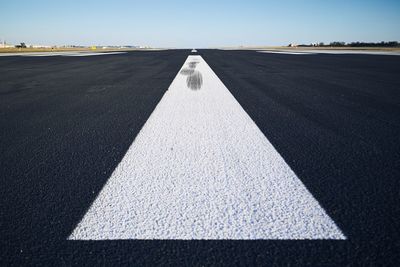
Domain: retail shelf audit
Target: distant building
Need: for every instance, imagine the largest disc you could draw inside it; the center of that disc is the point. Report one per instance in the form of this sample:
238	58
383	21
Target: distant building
5	45
39	46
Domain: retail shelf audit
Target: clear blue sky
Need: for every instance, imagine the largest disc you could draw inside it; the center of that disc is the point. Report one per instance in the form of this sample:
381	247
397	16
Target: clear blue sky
201	23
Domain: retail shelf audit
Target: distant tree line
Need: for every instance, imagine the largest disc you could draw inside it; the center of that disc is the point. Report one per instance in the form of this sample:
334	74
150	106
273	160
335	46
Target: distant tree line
353	44
380	44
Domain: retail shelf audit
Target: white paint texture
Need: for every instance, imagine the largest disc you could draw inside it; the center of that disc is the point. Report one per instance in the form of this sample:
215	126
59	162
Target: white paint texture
200	168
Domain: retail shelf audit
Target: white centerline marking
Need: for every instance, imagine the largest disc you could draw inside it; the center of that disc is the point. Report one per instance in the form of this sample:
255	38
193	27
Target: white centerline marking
200	168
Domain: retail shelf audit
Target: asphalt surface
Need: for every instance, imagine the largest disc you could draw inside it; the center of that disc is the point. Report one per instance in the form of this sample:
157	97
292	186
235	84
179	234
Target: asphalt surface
67	122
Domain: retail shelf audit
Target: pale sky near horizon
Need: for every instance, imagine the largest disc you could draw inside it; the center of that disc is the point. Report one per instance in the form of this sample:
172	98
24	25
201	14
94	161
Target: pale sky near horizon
198	24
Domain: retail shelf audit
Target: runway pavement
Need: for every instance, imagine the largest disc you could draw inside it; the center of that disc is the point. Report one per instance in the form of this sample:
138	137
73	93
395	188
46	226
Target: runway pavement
222	157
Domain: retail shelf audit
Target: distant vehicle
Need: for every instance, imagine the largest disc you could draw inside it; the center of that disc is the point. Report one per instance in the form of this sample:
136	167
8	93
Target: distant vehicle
21	45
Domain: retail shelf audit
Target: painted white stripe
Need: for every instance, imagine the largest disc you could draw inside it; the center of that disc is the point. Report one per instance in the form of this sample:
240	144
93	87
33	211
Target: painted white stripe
335	52
31	54
92	54
357	52
200	168
48	54
286	52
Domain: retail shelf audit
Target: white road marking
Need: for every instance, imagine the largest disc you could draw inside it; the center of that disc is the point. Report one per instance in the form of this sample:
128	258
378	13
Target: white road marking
31	54
92	54
357	52
42	55
200	168
335	52
286	52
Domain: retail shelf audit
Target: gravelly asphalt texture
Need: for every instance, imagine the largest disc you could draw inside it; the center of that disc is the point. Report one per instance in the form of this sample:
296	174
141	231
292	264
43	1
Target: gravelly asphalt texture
66	122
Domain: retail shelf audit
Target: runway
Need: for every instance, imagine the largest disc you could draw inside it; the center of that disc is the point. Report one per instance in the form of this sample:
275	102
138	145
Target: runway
199	157
201	169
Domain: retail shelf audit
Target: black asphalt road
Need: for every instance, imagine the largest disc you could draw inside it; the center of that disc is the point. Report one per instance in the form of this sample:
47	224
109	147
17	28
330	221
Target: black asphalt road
66	123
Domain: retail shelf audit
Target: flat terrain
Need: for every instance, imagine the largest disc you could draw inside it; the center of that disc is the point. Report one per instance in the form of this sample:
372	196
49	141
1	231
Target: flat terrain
60	49
394	51
68	122
333	48
26	50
